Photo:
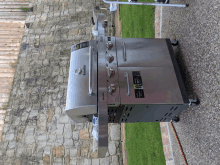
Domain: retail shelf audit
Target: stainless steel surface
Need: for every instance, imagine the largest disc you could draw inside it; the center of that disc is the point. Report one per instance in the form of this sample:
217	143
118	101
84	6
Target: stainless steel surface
99	24
78	101
143	52
126	75
95	32
90	70
159	84
145	3
102	91
124	51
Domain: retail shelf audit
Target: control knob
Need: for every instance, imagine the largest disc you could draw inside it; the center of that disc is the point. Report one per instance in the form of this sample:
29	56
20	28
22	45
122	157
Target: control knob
105	23
111	72
110	58
109	45
78	71
111	88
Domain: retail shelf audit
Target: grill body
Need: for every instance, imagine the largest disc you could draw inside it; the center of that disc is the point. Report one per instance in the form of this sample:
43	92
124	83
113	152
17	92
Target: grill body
123	80
146	78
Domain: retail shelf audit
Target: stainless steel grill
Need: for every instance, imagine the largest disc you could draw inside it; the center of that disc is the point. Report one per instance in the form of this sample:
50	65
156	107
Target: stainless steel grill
123	80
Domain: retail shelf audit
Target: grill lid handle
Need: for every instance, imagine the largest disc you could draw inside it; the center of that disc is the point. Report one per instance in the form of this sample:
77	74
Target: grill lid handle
90	70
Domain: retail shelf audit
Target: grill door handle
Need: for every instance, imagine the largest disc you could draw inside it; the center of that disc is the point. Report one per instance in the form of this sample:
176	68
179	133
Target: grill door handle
126	75
90	70
124	51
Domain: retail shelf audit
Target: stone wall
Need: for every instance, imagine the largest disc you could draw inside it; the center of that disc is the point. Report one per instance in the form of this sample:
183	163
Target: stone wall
36	128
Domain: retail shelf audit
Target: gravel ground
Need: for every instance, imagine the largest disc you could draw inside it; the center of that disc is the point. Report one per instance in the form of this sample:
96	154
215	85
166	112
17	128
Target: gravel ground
197	29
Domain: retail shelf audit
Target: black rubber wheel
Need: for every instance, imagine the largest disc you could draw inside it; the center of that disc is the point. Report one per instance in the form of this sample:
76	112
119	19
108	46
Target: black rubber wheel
97	8
175	120
195	103
175	43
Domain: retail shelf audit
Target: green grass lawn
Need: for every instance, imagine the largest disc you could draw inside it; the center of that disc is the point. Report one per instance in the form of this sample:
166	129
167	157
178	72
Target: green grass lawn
143	140
137	20
144	144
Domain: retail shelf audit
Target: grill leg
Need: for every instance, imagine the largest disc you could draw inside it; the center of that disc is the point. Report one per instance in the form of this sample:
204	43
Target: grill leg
194	102
175	119
174	42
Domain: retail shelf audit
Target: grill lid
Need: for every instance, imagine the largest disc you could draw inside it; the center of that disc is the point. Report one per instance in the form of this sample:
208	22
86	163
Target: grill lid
82	90
82	82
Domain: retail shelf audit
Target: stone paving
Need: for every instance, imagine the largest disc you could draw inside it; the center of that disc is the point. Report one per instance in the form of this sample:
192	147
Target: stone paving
36	128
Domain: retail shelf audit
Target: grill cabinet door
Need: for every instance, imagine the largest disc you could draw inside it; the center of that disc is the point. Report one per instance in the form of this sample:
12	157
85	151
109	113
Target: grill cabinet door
142	52
159	86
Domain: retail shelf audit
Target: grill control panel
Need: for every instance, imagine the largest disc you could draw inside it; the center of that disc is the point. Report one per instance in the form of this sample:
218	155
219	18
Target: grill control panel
113	95
138	86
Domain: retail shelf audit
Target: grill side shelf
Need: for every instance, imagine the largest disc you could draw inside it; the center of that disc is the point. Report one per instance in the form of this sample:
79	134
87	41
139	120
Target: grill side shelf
102	92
